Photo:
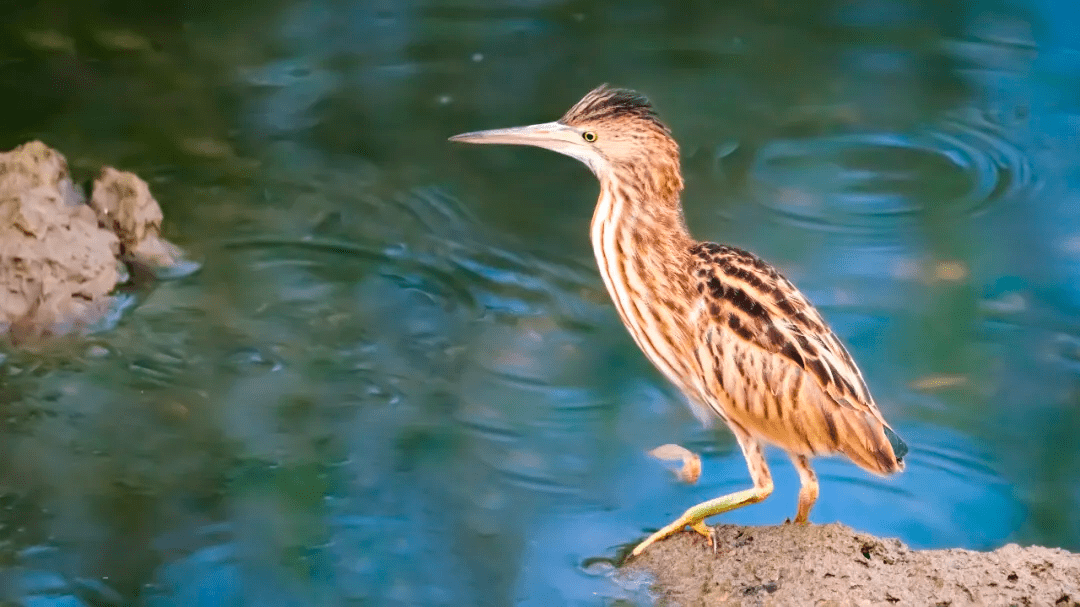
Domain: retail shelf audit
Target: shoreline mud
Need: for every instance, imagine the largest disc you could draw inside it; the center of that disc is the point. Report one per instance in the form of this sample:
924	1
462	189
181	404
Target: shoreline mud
832	564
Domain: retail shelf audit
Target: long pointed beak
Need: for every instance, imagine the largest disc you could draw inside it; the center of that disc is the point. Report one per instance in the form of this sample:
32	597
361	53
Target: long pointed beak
551	135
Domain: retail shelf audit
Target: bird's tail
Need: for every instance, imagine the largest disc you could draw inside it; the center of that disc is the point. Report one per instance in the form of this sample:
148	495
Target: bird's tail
877	448
899	447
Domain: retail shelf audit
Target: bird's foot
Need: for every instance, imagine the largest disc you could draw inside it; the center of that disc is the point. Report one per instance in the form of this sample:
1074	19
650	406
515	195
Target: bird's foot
706	531
676	526
696	515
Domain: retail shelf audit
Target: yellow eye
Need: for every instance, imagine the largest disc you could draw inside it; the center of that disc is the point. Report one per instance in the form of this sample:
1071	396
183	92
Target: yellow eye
589	136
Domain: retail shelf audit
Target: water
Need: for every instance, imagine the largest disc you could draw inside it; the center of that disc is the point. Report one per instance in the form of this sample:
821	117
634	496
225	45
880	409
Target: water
397	379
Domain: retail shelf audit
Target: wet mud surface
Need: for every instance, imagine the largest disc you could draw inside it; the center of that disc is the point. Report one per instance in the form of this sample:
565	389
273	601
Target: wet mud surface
835	565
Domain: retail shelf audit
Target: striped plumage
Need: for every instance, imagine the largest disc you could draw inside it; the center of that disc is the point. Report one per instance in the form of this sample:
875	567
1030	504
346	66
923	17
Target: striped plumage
734	335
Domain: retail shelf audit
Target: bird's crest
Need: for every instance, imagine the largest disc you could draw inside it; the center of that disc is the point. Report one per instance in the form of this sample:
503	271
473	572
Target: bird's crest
606	103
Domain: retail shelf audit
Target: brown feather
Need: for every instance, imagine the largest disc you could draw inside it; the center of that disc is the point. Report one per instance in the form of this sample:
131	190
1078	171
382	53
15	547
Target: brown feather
813	376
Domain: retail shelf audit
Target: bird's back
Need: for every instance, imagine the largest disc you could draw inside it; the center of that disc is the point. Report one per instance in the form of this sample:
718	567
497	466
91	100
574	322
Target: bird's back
772	366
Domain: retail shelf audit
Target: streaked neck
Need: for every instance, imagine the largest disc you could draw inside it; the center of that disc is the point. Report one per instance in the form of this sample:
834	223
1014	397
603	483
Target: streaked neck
639	220
641	246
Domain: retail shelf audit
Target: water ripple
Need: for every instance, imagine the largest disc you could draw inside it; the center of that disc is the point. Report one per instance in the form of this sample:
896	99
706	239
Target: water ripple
871	181
436	247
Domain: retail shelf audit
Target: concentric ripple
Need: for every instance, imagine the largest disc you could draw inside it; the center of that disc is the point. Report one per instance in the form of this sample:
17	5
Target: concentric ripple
871	181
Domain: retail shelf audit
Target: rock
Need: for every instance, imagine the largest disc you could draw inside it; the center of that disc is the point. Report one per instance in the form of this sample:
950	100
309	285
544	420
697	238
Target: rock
57	265
124	204
834	565
61	258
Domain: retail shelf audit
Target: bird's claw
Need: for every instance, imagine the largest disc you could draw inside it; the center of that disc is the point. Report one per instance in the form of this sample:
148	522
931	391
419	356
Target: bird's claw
706	531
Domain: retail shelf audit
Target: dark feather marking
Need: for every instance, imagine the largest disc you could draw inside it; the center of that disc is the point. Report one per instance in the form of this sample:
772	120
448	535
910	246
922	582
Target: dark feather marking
785	304
887	462
749	278
776	338
849	389
744	275
744	372
830	424
716	288
819	370
736	325
767	394
805	345
744	302
604	103
717	347
720	379
792	353
701	365
634	296
796	391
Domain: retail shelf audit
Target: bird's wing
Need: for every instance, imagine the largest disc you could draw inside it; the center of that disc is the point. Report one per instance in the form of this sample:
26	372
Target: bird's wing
751	299
772	366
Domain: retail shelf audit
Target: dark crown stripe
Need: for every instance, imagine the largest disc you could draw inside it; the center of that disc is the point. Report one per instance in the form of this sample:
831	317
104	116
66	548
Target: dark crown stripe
604	103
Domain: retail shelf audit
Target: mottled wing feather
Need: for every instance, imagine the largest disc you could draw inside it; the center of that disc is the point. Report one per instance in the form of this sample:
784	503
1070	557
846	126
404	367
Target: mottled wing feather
785	374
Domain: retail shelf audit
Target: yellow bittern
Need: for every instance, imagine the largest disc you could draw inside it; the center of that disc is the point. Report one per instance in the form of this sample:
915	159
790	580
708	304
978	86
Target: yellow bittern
736	337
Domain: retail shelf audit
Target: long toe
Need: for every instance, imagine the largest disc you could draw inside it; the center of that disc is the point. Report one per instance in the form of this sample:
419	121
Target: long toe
706	531
672	528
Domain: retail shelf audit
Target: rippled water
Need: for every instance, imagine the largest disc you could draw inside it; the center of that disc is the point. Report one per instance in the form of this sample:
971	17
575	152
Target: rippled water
397	378
881	181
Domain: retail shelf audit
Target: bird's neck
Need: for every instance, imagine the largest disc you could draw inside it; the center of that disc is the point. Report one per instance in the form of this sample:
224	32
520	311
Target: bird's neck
642	245
639	220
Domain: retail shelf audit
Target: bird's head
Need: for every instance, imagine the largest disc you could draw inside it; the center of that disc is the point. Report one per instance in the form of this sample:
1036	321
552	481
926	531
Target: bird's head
610	130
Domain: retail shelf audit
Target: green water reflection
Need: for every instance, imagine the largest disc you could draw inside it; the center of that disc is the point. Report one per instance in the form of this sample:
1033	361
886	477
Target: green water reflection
397	379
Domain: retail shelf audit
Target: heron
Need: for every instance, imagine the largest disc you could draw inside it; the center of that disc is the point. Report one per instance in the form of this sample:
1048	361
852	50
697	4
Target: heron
735	336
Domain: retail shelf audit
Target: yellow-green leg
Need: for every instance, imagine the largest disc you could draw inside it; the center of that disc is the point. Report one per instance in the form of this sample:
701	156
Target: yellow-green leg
808	491
695	516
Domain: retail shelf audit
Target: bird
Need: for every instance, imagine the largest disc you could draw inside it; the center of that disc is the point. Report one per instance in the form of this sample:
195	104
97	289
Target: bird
735	336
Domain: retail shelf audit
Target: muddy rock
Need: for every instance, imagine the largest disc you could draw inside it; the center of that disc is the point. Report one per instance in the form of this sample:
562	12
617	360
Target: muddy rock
60	258
124	205
57	265
834	565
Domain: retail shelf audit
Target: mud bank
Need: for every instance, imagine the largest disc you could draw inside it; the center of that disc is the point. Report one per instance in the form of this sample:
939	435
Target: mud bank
834	565
61	256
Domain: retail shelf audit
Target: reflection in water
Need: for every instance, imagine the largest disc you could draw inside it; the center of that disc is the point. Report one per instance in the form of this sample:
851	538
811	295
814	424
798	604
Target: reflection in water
379	392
